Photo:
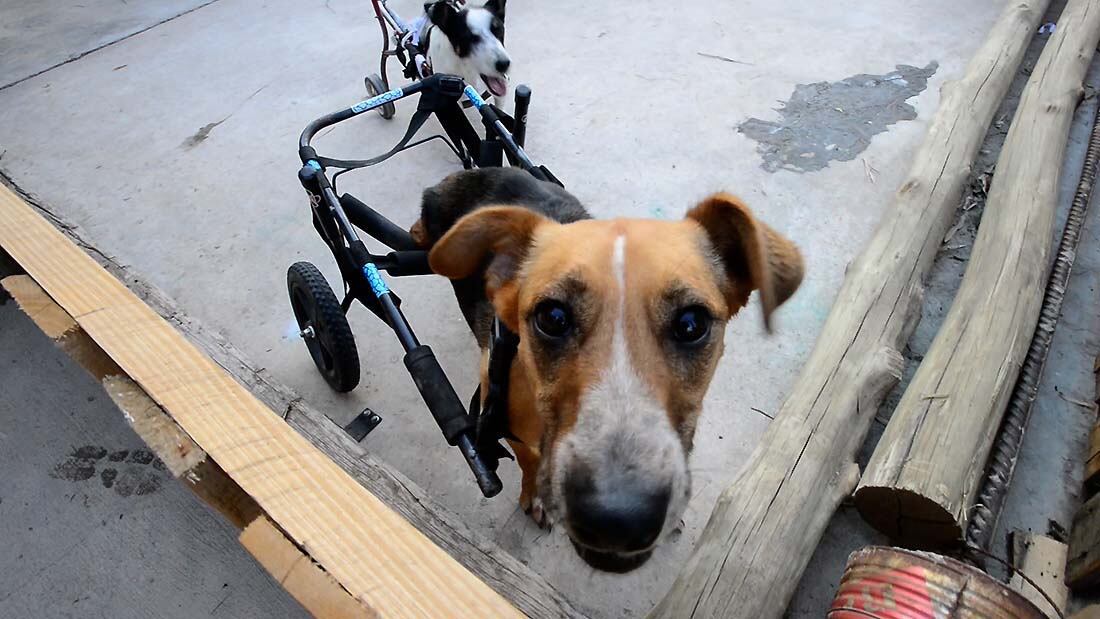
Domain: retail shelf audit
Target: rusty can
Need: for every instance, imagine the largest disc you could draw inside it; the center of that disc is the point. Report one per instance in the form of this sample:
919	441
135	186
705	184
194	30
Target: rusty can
891	583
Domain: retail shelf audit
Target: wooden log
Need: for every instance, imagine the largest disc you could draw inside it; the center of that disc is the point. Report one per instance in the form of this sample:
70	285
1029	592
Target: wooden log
766	525
1088	612
925	472
880	582
519	584
1083	563
1092	453
1043	561
1092	462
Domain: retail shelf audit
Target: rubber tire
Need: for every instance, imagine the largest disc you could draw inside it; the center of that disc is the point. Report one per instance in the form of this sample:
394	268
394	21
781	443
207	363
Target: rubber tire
333	346
374	88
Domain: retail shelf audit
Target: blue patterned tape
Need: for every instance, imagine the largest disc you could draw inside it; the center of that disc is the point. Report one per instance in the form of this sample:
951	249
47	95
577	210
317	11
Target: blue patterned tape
471	94
374	102
375	279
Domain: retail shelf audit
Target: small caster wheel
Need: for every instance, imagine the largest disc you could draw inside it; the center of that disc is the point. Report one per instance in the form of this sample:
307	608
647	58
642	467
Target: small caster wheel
375	88
323	326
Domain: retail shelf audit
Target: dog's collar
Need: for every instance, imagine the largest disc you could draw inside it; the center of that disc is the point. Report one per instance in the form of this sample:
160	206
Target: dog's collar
492	416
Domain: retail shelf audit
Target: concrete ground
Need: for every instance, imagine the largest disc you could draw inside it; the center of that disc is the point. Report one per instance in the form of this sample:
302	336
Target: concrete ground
175	148
93	525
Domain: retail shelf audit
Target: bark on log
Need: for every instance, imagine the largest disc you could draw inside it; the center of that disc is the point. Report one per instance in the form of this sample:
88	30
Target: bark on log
1092	455
766	525
1092	460
1083	568
924	474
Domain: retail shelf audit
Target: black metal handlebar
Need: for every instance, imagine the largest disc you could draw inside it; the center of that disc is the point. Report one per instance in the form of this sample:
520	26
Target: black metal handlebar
438	92
306	152
448	87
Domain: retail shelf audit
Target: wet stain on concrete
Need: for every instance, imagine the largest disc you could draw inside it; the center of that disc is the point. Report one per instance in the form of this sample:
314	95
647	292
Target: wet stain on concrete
835	121
127	472
200	136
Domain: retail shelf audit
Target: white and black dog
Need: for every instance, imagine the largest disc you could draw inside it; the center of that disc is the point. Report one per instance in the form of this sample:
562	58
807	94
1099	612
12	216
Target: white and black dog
467	40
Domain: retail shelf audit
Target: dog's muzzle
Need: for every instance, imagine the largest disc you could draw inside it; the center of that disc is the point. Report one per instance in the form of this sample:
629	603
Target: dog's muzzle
614	522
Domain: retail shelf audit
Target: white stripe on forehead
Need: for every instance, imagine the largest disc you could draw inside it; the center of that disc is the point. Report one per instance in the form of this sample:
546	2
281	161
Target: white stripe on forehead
619	356
618	264
620	374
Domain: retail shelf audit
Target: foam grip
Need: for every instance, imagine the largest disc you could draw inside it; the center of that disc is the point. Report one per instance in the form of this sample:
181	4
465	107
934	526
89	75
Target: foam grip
373	223
438	393
401	263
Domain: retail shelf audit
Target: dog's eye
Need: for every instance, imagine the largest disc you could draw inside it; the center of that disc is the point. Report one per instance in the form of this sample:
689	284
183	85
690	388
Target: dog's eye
553	319
691	324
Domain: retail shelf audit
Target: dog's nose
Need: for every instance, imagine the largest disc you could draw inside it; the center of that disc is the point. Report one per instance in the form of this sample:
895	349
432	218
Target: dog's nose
503	64
622	515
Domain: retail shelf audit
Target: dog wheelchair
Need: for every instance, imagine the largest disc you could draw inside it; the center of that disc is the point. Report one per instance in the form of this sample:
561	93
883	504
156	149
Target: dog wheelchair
402	36
399	40
338	218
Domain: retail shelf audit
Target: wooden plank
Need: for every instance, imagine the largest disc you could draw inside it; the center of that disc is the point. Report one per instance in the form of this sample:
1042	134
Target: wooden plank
923	477
179	453
766	525
55	413
525	589
1083	564
1042	560
164	437
315	590
374	553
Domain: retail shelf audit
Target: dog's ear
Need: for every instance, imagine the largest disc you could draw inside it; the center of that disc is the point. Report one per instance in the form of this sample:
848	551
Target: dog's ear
495	241
439	13
496	7
755	257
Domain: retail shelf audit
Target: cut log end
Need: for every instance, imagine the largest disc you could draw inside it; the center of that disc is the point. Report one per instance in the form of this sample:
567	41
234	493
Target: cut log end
907	517
892	582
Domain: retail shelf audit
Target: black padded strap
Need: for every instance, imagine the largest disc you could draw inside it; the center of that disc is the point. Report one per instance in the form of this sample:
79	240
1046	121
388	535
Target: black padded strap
492	418
458	128
415	123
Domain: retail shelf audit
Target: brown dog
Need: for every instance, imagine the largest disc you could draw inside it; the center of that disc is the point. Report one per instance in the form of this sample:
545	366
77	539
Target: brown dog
621	328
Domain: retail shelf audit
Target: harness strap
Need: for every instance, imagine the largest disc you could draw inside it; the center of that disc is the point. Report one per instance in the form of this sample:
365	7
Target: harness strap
492	418
418	119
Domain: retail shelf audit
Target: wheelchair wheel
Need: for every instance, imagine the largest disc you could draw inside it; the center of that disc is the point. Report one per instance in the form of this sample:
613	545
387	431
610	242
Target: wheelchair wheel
375	88
323	326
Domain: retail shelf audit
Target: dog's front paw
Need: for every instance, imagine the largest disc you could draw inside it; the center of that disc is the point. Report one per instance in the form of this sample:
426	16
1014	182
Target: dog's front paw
419	234
538	513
